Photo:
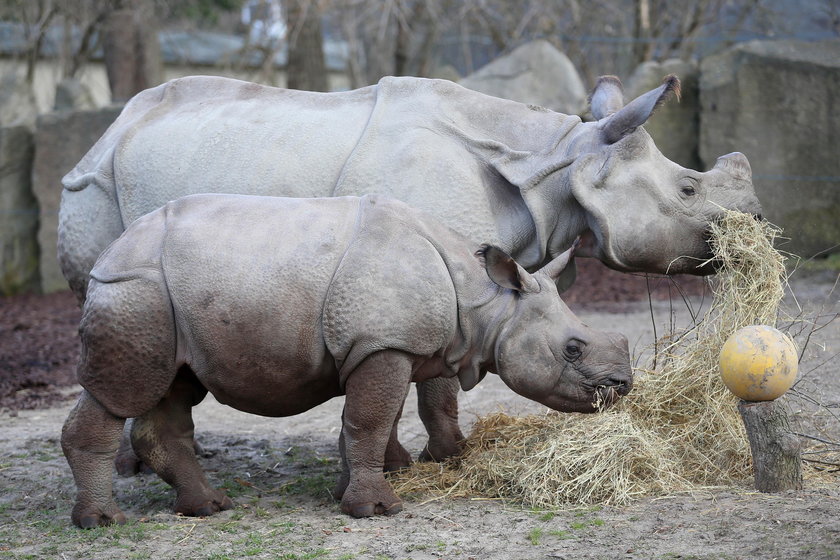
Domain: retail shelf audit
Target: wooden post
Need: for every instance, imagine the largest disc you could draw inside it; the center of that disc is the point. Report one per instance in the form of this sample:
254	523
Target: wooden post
777	460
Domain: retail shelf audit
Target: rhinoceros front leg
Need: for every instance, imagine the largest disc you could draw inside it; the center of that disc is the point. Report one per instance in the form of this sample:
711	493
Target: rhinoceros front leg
396	457
163	439
376	391
89	439
437	403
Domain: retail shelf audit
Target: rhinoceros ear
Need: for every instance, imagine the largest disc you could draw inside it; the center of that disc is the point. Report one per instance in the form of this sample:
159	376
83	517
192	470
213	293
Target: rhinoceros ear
607	97
505	271
638	111
557	265
736	164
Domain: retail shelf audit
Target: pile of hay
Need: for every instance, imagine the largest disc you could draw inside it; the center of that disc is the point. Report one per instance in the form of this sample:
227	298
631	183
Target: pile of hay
679	427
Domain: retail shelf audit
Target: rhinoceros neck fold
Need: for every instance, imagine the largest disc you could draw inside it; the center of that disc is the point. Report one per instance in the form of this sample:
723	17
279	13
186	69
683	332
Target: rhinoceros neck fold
451	149
483	307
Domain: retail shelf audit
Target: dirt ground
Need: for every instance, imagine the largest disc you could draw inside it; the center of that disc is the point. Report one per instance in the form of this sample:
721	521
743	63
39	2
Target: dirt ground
279	471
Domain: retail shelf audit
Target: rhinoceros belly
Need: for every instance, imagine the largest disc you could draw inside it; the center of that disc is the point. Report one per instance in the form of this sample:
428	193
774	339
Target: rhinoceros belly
247	278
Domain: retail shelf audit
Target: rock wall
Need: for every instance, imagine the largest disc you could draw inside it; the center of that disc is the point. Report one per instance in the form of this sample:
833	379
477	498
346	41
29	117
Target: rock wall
18	213
776	101
61	139
535	73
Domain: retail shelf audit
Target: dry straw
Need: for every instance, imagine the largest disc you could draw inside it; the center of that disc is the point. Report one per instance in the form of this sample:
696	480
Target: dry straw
678	429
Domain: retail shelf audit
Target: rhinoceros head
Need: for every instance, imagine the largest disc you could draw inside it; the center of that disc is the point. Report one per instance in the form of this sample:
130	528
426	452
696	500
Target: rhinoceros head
645	212
544	352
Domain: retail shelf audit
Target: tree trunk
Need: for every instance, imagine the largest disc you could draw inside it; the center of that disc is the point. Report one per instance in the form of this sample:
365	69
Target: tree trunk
642	48
131	48
777	461
305	68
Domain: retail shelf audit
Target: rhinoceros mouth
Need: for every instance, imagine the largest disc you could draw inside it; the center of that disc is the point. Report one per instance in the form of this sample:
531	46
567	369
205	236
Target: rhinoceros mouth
605	396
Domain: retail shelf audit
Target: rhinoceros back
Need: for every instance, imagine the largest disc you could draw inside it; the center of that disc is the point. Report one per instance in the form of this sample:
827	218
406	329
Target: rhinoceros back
247	278
393	288
218	135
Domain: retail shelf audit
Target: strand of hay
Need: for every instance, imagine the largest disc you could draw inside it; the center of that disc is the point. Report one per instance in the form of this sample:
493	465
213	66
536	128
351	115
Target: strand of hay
678	429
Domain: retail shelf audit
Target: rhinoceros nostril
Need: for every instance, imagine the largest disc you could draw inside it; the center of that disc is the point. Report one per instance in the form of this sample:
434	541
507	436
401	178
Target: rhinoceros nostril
621	383
758	217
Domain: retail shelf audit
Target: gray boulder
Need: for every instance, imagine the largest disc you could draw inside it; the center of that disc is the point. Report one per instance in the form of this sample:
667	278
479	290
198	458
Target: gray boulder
676	127
18	105
534	73
61	139
776	102
73	95
18	213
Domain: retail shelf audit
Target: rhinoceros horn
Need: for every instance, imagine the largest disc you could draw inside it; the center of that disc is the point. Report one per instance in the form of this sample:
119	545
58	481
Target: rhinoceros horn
736	164
618	121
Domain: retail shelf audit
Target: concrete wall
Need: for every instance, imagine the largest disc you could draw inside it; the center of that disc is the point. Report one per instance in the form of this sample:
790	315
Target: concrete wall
61	139
18	213
776	101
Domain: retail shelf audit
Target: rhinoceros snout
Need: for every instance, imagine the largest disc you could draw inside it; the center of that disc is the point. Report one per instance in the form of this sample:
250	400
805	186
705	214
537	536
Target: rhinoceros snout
621	383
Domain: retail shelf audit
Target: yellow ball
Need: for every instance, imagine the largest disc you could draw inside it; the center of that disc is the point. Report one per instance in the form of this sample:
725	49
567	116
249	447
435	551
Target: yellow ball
758	363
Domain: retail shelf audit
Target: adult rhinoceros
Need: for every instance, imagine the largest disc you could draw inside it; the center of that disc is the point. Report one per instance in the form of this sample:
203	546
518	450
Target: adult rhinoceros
521	177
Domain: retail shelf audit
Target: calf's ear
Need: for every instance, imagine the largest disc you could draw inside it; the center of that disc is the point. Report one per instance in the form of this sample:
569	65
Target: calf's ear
557	265
506	272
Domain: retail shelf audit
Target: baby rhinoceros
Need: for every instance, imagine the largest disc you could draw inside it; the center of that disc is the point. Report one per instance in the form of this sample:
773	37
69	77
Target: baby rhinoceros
276	305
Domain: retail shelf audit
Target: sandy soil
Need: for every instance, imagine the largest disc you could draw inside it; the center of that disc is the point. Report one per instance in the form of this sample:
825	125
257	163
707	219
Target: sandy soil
279	472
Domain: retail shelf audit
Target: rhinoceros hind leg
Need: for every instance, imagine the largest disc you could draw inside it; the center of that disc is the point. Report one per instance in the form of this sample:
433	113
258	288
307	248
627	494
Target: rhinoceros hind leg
437	403
127	462
89	439
376	391
396	457
163	439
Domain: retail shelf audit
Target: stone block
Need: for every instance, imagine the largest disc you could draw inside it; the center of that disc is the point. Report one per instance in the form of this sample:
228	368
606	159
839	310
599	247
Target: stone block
776	101
675	126
534	73
61	139
18	213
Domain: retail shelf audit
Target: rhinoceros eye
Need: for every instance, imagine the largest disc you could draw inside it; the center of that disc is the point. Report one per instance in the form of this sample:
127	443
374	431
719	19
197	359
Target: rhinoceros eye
688	187
573	350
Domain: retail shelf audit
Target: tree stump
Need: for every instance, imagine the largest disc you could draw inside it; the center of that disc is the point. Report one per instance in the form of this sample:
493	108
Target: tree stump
777	460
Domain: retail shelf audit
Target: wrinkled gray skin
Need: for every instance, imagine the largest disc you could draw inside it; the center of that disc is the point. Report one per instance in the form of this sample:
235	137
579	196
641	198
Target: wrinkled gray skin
275	305
521	177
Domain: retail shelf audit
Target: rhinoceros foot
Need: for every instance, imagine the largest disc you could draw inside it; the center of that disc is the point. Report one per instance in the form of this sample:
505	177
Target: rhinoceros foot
441	450
371	497
203	505
369	509
91	516
396	458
